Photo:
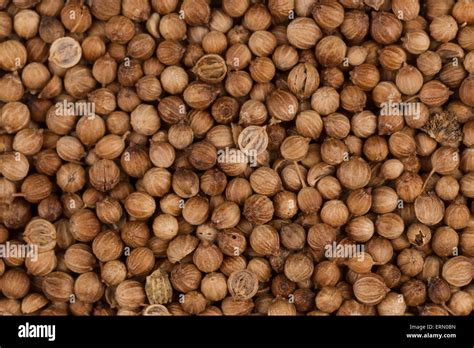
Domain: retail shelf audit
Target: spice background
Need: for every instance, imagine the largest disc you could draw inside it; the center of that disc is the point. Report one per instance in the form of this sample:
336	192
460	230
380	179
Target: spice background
237	157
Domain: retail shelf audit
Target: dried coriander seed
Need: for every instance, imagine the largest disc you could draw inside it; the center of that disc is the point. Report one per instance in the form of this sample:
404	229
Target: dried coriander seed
65	52
213	158
253	140
158	287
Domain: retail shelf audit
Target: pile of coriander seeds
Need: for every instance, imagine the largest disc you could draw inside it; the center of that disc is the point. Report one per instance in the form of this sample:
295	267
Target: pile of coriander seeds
236	157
